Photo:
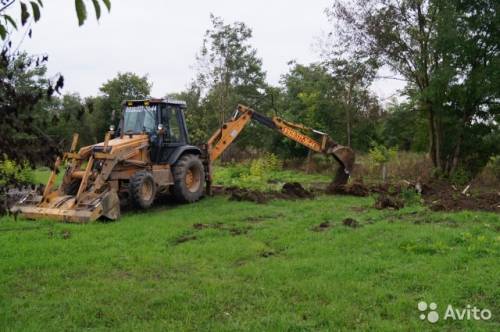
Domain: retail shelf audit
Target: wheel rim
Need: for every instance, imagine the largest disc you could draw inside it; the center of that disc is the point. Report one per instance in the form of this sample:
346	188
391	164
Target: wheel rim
193	179
147	190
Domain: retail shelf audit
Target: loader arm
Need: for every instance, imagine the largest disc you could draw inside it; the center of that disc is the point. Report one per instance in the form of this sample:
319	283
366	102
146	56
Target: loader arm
230	130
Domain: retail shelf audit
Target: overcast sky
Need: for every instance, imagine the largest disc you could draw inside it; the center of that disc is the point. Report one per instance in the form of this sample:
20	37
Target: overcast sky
161	39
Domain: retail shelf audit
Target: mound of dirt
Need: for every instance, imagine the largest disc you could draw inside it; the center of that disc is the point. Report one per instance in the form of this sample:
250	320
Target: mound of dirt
455	201
240	194
322	227
353	189
349	222
289	191
387	202
295	190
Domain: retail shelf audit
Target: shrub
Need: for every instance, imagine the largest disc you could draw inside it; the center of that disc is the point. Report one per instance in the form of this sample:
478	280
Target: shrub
381	155
11	172
494	165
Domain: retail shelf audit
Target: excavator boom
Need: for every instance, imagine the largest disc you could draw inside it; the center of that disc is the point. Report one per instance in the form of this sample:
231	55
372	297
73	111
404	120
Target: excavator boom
229	131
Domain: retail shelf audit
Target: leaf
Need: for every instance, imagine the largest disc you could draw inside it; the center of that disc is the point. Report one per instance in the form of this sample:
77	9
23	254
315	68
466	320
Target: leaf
107	3
81	11
97	8
24	13
3	31
11	21
40	3
36	10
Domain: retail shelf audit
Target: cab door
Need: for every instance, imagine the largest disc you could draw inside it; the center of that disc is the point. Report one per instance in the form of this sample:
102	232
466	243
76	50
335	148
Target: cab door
174	133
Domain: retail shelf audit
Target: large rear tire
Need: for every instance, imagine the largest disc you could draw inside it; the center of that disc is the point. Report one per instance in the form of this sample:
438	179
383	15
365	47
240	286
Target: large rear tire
189	179
142	189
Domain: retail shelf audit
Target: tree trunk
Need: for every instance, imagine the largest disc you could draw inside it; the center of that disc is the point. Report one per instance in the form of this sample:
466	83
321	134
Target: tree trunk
348	114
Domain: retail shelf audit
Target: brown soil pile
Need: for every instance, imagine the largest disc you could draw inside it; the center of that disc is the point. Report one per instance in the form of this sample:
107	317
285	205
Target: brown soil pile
438	195
349	222
291	191
240	194
322	227
443	197
387	202
353	189
295	190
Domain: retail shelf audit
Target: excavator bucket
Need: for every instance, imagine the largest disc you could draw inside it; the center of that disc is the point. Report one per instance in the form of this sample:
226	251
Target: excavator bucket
346	158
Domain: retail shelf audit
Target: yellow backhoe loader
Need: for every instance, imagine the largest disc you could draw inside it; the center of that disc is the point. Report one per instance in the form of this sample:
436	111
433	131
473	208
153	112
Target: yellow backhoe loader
150	154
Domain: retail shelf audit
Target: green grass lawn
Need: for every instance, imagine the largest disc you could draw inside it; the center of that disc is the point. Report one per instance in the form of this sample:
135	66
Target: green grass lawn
258	267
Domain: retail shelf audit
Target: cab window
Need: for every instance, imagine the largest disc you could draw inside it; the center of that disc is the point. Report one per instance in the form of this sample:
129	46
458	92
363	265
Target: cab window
171	123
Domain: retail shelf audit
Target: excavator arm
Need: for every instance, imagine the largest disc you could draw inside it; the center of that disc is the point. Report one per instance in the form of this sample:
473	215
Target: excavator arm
230	130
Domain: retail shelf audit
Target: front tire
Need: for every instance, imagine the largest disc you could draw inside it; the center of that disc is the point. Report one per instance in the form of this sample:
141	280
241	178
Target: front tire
142	189
189	179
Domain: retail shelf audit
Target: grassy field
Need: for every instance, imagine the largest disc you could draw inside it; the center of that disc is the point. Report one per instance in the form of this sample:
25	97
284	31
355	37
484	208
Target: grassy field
223	265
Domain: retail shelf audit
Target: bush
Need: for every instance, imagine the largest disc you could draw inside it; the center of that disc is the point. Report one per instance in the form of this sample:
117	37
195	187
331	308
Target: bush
381	155
265	165
494	165
11	173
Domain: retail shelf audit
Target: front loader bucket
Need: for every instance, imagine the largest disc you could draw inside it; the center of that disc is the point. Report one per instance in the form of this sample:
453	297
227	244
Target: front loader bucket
65	208
346	158
85	193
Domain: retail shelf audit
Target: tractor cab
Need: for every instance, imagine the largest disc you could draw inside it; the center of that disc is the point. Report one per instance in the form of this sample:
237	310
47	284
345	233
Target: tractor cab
154	117
162	120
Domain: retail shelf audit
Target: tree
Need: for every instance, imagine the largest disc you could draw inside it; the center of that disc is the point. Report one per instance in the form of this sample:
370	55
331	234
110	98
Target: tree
404	128
106	109
319	96
353	77
444	49
229	70
34	8
22	86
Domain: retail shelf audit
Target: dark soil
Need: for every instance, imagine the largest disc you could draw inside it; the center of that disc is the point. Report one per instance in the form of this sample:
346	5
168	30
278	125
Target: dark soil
295	190
241	194
443	197
267	254
354	189
439	196
349	222
290	191
233	230
322	227
385	201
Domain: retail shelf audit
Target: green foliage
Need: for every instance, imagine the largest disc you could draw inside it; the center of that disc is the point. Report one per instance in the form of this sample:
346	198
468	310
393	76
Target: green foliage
106	109
381	154
229	73
23	87
7	21
11	172
494	164
255	174
405	128
459	176
447	51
